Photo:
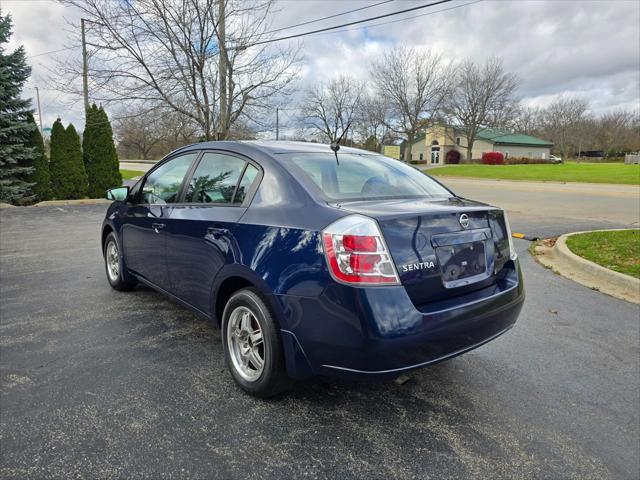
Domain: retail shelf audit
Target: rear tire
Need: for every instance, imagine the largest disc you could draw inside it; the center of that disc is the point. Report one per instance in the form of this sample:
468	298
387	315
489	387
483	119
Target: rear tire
117	274
252	347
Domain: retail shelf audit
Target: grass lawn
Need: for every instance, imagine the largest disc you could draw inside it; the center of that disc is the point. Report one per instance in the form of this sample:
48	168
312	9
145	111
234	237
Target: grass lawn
619	251
129	174
568	172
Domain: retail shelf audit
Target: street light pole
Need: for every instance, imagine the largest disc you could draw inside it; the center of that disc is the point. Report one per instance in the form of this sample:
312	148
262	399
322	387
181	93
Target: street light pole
39	110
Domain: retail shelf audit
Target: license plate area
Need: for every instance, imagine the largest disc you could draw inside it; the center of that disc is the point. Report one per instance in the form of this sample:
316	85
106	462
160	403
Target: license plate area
462	264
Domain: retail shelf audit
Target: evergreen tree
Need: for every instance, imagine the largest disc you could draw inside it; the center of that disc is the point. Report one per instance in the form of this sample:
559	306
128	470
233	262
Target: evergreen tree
16	157
68	176
100	157
40	176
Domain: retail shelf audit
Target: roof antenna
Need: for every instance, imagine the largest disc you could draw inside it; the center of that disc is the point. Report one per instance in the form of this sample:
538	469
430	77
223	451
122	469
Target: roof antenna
335	146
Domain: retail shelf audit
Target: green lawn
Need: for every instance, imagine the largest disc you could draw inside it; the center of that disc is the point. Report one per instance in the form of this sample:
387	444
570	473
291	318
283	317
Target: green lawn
129	174
619	251
569	172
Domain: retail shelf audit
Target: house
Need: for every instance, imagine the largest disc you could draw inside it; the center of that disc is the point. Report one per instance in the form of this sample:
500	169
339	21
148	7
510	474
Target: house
432	147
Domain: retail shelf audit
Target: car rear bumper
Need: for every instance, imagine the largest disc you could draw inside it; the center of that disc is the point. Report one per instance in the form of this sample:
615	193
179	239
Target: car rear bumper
378	331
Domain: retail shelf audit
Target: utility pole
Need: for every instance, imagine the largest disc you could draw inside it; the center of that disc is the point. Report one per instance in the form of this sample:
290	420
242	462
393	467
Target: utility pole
277	124
85	68
39	110
222	70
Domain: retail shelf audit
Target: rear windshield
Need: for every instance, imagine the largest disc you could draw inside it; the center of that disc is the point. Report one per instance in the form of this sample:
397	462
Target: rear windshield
362	177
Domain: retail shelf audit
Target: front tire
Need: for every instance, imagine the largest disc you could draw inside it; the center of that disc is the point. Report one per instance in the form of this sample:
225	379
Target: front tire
252	347
117	274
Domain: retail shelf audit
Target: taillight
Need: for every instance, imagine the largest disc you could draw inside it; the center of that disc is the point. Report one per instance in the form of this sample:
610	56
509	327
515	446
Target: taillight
356	252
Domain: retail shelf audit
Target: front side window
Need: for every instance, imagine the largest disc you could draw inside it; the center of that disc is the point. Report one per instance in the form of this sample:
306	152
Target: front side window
162	186
362	177
215	179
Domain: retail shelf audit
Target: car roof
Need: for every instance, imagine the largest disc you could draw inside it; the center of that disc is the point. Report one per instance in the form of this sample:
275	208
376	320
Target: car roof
274	146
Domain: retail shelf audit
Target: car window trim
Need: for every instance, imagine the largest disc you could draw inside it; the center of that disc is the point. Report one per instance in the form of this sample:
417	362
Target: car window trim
159	165
248	197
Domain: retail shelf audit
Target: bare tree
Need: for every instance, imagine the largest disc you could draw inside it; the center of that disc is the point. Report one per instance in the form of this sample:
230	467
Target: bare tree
482	97
138	136
330	108
615	131
372	122
527	120
195	57
415	83
563	121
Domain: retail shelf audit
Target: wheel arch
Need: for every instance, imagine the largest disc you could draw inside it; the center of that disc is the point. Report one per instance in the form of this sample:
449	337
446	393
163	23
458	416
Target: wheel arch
107	228
236	277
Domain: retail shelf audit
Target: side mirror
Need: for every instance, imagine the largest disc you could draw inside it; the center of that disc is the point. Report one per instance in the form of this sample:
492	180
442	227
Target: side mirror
118	194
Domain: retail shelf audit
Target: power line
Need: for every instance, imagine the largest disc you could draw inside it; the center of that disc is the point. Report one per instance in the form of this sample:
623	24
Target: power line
356	22
407	18
326	18
52	51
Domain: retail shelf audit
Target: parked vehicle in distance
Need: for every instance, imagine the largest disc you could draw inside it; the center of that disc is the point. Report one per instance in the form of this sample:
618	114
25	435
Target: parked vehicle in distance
555	159
314	262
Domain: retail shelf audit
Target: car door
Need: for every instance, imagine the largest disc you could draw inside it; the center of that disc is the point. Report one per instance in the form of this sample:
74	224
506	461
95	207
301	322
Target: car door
143	234
200	229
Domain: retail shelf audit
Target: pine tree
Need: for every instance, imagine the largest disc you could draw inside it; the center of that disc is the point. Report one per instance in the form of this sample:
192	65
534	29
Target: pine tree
100	157
16	157
40	176
68	176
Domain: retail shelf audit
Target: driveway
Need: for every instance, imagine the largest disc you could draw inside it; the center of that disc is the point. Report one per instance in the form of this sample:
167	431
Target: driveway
98	383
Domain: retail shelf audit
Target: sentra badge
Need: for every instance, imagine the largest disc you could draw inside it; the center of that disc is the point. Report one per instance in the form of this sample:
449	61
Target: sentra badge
418	266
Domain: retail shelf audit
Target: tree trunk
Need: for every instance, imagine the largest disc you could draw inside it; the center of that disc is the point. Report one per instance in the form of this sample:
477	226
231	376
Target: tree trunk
409	147
223	127
469	151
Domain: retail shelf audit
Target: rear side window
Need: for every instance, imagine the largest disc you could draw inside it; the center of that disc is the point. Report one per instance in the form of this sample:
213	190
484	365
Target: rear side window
163	184
362	177
215	179
250	175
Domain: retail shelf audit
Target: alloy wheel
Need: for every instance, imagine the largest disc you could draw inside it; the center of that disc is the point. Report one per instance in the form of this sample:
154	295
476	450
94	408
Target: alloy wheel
245	342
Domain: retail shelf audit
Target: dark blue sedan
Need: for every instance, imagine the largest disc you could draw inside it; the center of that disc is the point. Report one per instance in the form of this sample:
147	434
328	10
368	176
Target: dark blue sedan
313	261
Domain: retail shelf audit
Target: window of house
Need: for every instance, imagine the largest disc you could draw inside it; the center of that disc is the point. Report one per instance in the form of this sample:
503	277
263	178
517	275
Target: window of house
421	157
457	140
506	154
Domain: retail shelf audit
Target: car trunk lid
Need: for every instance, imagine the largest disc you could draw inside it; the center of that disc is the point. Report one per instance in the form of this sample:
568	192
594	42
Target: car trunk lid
441	248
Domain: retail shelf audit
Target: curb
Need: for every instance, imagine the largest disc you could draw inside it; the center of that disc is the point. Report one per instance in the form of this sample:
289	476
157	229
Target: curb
82	201
590	274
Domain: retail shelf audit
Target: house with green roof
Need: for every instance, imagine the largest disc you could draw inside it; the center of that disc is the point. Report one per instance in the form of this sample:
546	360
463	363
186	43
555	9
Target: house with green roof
433	146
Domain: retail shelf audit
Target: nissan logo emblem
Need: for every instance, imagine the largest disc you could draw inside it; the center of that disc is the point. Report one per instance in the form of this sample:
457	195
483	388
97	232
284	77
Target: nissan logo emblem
464	220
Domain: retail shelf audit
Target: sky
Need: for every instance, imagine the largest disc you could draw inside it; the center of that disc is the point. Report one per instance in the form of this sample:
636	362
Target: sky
586	48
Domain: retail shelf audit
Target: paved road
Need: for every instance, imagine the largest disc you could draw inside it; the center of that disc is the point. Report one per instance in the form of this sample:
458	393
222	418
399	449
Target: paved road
97	384
141	167
573	202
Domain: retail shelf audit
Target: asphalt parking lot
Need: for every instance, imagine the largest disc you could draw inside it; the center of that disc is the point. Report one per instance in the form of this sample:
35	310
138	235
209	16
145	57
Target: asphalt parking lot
102	384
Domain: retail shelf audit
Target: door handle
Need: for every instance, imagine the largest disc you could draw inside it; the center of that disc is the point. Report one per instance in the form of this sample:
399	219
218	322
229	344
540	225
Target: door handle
216	232
158	226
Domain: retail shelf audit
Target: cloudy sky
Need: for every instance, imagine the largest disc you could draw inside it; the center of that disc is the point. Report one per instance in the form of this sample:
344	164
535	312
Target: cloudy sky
585	48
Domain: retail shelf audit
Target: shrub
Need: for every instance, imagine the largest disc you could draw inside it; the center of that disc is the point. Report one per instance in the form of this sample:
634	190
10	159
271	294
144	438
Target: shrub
452	158
493	158
99	151
526	161
68	176
40	176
